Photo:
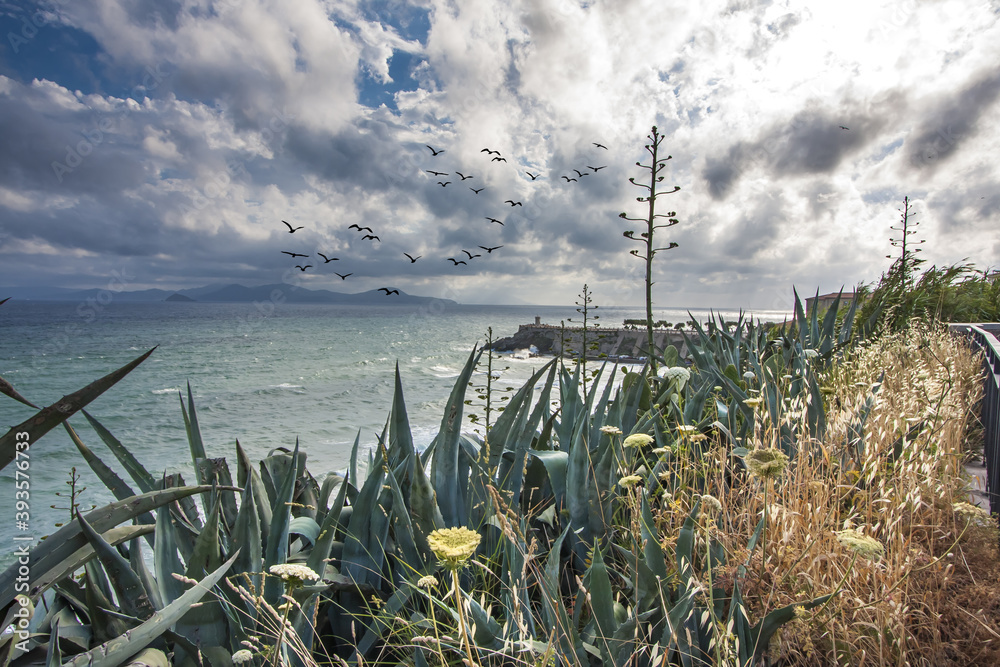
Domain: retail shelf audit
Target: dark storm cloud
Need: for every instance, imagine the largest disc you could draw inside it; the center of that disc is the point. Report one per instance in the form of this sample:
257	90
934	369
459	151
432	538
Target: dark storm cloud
812	141
60	150
952	122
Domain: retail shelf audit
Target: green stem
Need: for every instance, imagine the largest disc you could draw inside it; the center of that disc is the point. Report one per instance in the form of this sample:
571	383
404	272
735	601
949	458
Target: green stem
460	606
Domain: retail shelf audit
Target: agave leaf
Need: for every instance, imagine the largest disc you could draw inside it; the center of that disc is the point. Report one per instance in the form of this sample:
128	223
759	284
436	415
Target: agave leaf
487	632
367	532
248	473
133	598
54	656
423	504
685	546
352	466
602	603
276	551
445	464
306	527
216	471
136	471
578	496
103	622
652	551
48	418
195	441
556	464
762	632
399	438
8	389
138	565
166	561
117	650
503	435
150	657
67	540
76	560
206	555
115	484
324	541
554	610
246	532
330	482
409	554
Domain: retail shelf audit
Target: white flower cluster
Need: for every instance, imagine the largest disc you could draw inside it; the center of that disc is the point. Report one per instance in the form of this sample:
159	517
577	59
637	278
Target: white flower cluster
293	572
678	373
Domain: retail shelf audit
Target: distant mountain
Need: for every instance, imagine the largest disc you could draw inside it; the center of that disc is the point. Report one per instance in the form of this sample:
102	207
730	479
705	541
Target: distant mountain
278	292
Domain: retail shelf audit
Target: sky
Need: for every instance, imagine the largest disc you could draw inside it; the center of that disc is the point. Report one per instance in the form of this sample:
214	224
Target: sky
161	143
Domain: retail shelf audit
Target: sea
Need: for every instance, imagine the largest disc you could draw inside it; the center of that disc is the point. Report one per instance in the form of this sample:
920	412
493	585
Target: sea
269	377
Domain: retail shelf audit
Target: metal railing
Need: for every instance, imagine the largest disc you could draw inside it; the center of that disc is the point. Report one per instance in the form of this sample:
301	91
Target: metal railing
983	337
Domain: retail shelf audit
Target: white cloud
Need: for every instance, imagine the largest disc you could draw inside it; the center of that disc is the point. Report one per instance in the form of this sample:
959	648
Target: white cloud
250	114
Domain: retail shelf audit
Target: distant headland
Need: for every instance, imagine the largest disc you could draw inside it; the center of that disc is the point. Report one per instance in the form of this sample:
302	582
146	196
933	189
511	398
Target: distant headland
233	293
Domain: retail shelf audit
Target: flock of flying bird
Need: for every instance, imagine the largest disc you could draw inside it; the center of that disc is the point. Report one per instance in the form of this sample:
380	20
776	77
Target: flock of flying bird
463	177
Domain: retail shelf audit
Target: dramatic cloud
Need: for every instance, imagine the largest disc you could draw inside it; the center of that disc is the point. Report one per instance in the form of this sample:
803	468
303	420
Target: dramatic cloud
170	139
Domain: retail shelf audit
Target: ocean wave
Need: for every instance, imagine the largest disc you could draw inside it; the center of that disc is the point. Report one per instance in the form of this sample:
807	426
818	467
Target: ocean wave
168	390
443	372
284	386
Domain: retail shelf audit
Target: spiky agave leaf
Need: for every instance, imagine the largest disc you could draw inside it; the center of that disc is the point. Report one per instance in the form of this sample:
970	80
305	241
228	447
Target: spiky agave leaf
64	543
114	652
48	418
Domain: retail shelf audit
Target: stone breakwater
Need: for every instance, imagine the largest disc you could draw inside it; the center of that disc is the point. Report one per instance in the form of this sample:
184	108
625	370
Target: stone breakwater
623	343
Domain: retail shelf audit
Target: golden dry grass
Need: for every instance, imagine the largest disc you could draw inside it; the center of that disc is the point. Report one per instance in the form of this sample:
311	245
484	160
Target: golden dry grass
933	598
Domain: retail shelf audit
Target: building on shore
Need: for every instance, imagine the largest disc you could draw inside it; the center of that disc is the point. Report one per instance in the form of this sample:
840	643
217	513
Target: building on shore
824	301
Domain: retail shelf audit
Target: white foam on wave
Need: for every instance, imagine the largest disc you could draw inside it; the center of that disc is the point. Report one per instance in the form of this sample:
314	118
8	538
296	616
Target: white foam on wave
443	372
168	390
286	385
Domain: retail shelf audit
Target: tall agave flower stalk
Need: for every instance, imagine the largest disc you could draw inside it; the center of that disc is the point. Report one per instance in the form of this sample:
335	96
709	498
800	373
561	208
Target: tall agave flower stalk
654	168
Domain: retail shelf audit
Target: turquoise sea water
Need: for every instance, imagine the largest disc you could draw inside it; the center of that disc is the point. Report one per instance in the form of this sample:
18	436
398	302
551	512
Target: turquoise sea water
263	376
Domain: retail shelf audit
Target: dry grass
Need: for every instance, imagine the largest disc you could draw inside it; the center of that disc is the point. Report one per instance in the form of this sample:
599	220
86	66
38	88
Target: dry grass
933	598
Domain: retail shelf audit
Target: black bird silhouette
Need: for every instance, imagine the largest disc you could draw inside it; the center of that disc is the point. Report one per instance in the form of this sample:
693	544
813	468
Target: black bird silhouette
471	256
327	260
487	150
844	128
499	159
513	203
292	230
388	291
490	250
436	173
494	220
360	229
597	169
307	266
445	184
457	262
462	175
370	236
294	254
434	153
477	191
342	276
568	179
578	172
600	146
411	258
533	176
